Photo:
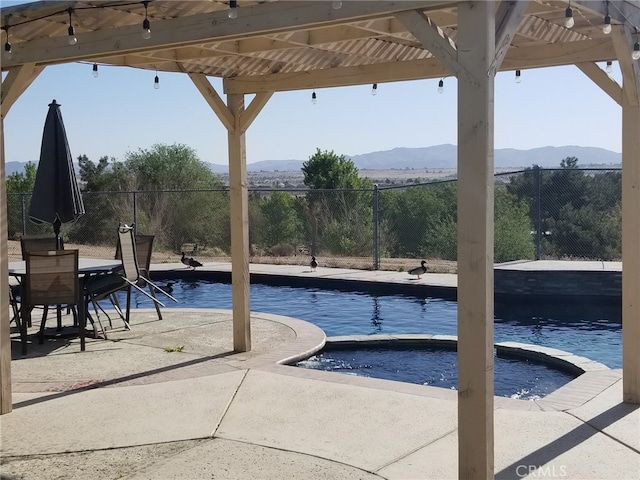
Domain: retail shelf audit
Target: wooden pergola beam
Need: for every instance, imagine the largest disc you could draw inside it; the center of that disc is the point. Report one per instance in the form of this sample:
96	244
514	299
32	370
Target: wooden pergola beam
530	57
15	83
601	79
476	51
257	20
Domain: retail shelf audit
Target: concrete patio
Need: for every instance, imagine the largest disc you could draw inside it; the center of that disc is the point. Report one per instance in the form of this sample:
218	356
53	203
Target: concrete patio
129	408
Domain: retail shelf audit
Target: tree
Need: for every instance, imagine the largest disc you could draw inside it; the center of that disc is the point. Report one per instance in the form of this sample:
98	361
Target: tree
175	196
326	170
171	202
281	222
579	208
169	167
22	182
423	220
341	218
512	237
103	210
19	188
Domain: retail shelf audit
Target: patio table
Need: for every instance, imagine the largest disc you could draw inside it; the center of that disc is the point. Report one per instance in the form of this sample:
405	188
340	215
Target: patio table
86	266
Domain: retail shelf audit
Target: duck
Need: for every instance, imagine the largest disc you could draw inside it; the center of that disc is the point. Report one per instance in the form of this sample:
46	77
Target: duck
419	270
190	261
313	264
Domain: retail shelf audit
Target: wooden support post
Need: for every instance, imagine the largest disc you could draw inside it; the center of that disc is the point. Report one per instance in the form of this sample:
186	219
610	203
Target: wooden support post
240	280
630	251
5	339
476	51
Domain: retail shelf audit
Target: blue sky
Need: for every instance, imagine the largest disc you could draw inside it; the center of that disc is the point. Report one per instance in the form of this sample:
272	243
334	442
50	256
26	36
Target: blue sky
120	111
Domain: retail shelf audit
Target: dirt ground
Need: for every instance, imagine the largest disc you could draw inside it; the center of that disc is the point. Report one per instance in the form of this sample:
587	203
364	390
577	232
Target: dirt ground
360	263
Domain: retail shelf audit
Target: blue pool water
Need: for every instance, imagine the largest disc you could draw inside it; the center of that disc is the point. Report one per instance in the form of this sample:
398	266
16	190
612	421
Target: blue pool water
439	368
590	330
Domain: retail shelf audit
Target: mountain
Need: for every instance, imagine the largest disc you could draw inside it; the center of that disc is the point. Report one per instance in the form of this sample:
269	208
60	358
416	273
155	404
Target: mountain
445	156
435	157
14	167
263	166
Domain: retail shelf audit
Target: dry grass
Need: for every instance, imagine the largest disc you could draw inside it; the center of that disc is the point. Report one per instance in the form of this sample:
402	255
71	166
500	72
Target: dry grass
359	263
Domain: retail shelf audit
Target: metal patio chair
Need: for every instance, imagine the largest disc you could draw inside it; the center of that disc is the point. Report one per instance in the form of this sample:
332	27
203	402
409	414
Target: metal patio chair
103	286
51	278
32	243
144	250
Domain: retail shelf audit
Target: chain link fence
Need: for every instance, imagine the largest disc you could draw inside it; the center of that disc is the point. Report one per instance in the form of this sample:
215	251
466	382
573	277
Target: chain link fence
564	213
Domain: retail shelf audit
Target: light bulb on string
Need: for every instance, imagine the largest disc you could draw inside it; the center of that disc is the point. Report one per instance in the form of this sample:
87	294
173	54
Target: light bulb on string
336	4
606	28
314	99
441	86
146	24
233	9
609	67
95	70
518	76
71	39
7	46
374	89
636	51
568	17
156	82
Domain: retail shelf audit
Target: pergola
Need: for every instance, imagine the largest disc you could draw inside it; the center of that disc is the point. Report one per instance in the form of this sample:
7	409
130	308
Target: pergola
261	47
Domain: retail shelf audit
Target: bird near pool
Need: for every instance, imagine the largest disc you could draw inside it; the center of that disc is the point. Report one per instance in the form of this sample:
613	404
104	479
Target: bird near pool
313	264
419	270
190	261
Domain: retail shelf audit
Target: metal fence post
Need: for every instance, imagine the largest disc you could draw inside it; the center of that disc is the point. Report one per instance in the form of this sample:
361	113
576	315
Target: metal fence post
24	216
135	212
376	236
538	226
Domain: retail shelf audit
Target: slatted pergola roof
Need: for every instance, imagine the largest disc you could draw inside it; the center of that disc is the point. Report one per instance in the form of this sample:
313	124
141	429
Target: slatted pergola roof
285	45
274	46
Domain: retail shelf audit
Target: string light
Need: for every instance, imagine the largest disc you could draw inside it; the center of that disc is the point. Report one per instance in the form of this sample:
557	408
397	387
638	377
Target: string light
233	9
7	45
95	70
606	28
635	54
336	4
146	24
441	85
568	17
72	34
374	89
609	67
518	76
156	81
314	99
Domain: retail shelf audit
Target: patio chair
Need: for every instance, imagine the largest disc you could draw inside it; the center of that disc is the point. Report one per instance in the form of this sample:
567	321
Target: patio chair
31	243
51	279
144	250
15	298
103	286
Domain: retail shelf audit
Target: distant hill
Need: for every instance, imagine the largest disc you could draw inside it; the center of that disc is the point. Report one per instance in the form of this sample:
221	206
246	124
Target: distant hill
14	167
445	156
435	157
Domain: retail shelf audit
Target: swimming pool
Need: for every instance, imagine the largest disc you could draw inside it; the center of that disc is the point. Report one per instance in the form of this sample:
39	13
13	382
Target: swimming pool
590	330
515	378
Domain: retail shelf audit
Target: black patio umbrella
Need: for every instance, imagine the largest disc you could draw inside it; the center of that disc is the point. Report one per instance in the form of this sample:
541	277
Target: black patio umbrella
56	197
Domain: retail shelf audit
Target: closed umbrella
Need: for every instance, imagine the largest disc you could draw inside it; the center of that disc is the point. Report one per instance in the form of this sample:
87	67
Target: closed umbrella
56	197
